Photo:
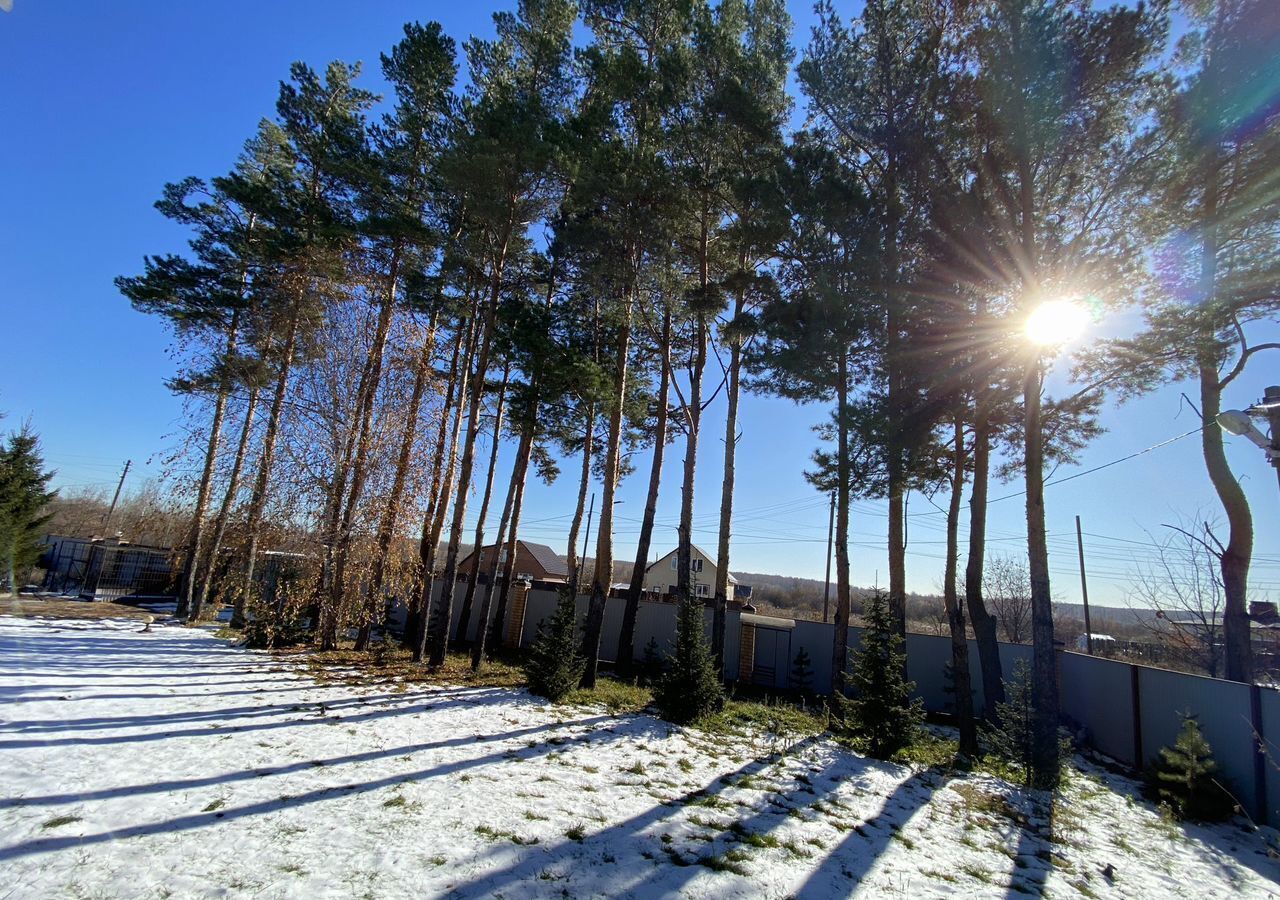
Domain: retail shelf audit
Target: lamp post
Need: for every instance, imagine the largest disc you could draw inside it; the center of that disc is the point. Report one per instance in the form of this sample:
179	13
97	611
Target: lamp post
1050	324
1240	423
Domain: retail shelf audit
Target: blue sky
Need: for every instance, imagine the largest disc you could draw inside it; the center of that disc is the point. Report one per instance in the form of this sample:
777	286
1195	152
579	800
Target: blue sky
105	102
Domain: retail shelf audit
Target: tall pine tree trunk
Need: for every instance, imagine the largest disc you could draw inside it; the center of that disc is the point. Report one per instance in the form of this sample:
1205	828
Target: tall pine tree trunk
331	614
478	544
489	633
433	521
224	512
693	427
391	511
840	634
627	637
984	624
602	577
195	537
950	598
584	482
442	613
726	494
258	500
491	576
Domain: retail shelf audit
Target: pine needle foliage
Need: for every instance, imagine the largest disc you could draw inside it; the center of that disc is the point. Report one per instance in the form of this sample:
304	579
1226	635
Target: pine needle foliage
1184	777
802	672
1012	739
555	664
691	688
881	716
651	664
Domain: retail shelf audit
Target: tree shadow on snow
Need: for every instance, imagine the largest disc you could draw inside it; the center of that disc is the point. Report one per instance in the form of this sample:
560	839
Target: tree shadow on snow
231	813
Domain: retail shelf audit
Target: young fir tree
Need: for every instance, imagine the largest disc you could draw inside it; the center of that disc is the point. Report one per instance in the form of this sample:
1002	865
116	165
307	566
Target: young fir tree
24	494
802	672
652	664
1184	777
555	665
1013	738
882	715
691	688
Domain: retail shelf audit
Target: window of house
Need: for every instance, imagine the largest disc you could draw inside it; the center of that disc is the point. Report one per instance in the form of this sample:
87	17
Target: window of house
703	590
695	565
675	561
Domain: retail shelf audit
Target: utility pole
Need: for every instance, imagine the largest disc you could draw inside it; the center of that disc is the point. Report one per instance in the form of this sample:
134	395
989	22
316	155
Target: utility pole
582	557
106	520
826	587
1084	590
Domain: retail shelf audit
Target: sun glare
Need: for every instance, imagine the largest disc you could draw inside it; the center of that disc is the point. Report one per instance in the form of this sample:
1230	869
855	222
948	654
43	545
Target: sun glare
1056	322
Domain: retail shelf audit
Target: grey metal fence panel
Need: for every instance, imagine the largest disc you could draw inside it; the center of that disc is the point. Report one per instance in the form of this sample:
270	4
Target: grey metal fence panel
1271	743
816	638
1096	694
1222	710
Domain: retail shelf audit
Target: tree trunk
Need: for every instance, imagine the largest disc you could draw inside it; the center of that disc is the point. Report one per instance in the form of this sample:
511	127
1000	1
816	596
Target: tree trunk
442	614
720	612
332	613
955	612
195	537
627	637
442	493
1044	753
984	624
258	500
478	544
840	634
478	647
391	512
489	634
224	513
584	482
603	574
1235	557
508	572
693	426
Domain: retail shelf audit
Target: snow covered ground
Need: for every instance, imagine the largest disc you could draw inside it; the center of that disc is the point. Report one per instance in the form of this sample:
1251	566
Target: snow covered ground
169	764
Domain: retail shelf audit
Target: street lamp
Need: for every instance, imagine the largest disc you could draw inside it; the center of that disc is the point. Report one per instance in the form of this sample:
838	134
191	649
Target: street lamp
1240	423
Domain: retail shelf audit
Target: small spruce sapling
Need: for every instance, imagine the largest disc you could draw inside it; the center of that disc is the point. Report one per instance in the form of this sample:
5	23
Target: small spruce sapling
554	664
881	716
802	672
1184	777
1012	740
691	687
651	664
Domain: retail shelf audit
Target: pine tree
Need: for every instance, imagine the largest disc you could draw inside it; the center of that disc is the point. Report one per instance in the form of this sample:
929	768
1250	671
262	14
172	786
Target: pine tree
691	688
24	494
802	672
882	715
1184	777
555	665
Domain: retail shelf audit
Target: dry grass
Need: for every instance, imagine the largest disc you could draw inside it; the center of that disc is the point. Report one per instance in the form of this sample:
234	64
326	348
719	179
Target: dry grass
29	607
384	665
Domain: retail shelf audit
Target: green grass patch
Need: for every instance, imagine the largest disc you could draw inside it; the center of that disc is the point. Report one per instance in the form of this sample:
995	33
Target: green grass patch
774	717
577	832
616	696
58	821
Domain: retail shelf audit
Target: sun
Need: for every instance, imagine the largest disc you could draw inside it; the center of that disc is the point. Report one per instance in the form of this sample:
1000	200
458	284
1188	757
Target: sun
1056	322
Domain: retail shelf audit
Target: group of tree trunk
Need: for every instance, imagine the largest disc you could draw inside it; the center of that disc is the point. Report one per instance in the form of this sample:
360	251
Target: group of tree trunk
586	247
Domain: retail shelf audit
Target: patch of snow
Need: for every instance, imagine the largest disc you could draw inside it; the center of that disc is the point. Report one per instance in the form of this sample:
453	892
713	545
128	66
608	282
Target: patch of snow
170	763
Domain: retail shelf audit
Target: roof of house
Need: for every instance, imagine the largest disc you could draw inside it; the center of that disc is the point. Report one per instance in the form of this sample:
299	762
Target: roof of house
552	562
704	553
